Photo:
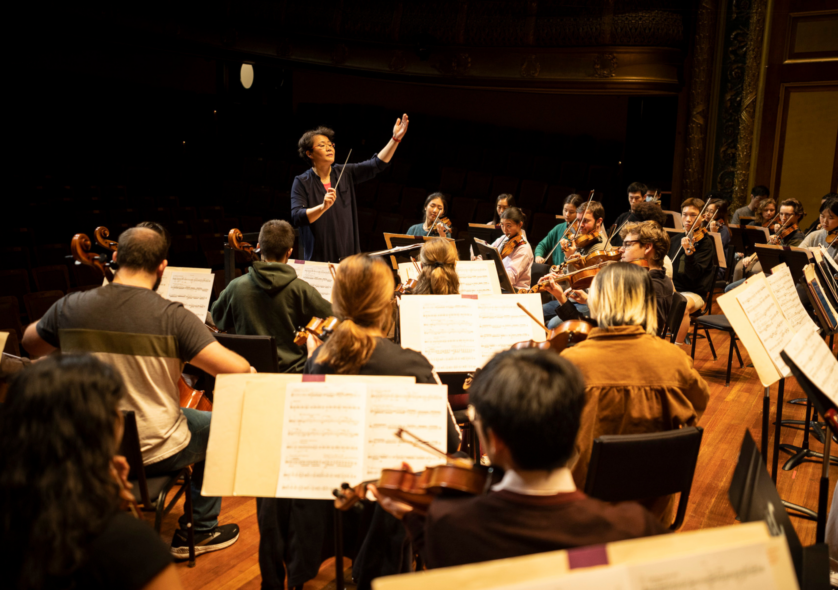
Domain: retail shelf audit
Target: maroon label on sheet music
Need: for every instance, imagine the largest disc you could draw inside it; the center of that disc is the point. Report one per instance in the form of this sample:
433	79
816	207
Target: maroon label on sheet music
587	557
469	296
299	261
314	378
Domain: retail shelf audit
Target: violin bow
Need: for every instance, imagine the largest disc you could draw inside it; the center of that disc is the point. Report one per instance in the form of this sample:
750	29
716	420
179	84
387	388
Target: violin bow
342	171
616	231
579	225
417	442
690	233
535	319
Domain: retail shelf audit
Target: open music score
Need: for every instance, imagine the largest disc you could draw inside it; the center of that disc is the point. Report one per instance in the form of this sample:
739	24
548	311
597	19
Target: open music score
193	290
462	332
316	274
811	354
295	436
477	277
767	319
735	557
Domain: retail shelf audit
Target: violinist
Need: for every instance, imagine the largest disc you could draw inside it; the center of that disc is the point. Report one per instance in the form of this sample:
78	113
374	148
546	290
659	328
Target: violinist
550	243
516	253
326	213
435	207
692	262
362	299
271	300
592	215
148	339
715	215
827	236
646	241
65	488
438	275
525	407
636	196
766	211
758	193
656	389
786	231
815	225
651	212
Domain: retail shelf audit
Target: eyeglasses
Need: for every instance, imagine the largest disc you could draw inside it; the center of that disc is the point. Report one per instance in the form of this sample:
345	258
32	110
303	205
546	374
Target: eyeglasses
325	145
630	243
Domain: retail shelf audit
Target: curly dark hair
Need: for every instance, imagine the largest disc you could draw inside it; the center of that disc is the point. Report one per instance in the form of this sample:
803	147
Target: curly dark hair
58	437
306	143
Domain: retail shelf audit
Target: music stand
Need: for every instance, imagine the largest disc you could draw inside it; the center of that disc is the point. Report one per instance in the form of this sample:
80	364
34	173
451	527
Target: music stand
486	232
395	241
795	258
736	238
489	253
754	497
753	235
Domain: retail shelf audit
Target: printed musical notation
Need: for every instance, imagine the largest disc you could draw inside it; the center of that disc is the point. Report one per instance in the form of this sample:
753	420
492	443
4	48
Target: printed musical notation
316	274
345	433
191	289
477	277
812	355
768	322
449	333
782	285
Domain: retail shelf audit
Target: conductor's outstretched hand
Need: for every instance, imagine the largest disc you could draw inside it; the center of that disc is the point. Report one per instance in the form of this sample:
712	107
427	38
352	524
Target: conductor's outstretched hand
400	128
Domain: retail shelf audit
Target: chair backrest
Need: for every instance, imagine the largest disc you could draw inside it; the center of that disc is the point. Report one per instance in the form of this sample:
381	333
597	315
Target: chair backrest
131	450
644	466
259	351
676	315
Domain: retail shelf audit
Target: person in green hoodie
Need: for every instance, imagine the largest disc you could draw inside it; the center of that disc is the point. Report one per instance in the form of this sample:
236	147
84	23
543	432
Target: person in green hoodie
270	300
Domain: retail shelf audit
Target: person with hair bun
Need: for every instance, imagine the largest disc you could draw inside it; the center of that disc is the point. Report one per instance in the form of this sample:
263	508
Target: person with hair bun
518	264
655	388
362	299
439	269
62	484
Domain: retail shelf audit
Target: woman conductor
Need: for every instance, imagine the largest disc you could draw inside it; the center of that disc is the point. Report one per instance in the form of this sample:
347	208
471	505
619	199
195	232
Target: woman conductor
326	213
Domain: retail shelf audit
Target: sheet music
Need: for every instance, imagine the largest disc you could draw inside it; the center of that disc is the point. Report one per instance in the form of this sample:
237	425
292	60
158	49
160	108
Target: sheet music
501	325
829	255
604	578
322	439
738	568
163	287
426	416
477	277
812	355
316	274
768	322
782	285
193	290
3	337
448	332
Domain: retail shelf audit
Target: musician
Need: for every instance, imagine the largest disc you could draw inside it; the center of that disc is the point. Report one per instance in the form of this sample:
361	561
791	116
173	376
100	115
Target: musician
525	408
636	195
758	193
60	430
716	216
362	299
502	202
692	263
328	220
659	389
439	269
765	212
593	214
435	207
814	226
271	300
829	225
791	211
649	211
518	264
551	242
148	339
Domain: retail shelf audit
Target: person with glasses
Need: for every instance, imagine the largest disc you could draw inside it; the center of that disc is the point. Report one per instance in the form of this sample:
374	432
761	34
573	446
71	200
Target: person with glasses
525	407
646	241
435	207
636	196
325	213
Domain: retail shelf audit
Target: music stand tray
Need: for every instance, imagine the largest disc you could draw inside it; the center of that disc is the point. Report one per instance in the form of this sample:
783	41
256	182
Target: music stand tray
399	240
485	232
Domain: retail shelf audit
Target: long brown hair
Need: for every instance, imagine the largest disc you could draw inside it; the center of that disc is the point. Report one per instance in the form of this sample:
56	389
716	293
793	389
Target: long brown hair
362	300
439	274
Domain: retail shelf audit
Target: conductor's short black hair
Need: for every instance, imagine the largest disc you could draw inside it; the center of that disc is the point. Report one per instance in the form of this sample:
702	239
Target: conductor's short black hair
532	400
306	143
275	239
141	248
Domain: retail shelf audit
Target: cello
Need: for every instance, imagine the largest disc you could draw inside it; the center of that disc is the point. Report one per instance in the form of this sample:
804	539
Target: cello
235	239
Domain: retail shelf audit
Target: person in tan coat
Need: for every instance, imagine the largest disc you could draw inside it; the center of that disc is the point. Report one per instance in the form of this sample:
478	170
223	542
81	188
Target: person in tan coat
635	382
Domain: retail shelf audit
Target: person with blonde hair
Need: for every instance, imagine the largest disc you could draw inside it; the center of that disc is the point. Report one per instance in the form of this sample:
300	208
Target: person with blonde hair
439	269
655	389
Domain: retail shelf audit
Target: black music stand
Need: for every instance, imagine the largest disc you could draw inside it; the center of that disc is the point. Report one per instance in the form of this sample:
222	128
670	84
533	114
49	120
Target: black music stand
492	254
754	497
486	232
753	235
795	258
736	237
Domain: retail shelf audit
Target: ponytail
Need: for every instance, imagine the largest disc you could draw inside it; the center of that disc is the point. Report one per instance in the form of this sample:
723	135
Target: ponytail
362	299
439	274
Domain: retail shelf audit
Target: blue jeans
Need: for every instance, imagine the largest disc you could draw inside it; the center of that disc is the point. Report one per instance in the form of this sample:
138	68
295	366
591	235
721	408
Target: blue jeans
733	285
555	321
204	510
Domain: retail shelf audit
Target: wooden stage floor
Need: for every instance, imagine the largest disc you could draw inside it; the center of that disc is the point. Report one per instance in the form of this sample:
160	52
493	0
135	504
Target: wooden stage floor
731	410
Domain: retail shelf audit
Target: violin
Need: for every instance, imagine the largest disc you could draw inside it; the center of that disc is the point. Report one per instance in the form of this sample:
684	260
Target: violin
782	235
406	287
568	334
235	240
457	476
579	279
770	222
511	244
830	236
445	222
318	327
586	240
572	230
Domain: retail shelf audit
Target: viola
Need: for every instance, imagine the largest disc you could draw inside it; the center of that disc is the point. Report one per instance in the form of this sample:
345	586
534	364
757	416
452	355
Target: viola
511	244
235	240
318	327
787	232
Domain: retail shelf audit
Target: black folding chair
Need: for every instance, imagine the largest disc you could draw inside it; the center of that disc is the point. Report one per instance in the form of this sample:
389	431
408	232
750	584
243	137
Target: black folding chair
675	317
151	492
627	467
259	351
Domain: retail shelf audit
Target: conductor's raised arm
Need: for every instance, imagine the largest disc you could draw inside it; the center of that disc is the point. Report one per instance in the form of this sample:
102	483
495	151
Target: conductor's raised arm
399	129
